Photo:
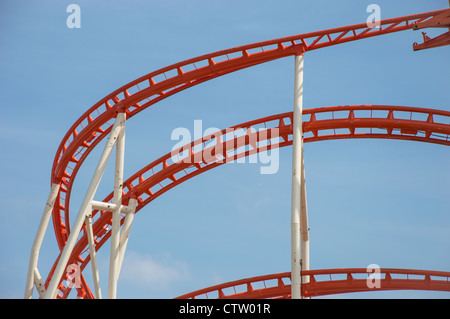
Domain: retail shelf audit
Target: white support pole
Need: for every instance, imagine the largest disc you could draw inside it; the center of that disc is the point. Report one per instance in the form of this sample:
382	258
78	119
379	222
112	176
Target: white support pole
107	207
65	254
93	254
126	232
297	160
304	227
115	231
34	256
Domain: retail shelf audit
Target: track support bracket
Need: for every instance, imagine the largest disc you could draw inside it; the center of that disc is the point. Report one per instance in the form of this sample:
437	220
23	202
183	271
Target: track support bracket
441	20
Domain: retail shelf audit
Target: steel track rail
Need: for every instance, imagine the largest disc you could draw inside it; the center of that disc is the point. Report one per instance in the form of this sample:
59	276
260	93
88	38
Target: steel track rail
253	137
134	97
324	282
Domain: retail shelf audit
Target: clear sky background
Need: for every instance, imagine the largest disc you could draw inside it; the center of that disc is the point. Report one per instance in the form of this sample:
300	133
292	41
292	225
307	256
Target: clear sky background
369	201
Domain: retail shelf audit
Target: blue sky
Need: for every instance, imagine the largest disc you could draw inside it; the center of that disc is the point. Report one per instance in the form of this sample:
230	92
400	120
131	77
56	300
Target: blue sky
369	201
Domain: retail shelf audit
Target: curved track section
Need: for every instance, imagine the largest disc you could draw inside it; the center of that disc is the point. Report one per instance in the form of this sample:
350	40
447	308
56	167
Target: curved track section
96	123
325	282
148	90
246	139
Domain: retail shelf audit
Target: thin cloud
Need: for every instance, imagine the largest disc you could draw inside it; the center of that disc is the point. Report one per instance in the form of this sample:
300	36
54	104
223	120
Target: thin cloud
153	272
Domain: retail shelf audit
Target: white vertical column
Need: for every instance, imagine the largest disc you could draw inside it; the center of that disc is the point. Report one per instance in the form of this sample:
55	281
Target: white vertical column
297	160
86	204
38	240
304	228
115	231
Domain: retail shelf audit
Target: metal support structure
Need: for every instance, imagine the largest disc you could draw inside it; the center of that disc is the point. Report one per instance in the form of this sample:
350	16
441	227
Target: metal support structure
299	230
32	268
93	254
85	134
119	126
39	283
441	20
126	232
304	226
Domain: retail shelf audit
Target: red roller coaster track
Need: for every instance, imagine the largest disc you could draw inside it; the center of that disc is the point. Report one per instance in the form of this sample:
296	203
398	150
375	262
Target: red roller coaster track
340	122
325	282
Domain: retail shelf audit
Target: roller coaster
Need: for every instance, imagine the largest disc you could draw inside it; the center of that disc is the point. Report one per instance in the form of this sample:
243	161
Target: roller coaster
111	219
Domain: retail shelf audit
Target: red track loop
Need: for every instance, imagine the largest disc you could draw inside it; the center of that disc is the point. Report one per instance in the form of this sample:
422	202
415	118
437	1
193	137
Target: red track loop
325	282
338	122
141	93
134	97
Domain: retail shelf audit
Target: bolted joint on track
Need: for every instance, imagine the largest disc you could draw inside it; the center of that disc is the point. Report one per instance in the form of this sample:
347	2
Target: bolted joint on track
298	49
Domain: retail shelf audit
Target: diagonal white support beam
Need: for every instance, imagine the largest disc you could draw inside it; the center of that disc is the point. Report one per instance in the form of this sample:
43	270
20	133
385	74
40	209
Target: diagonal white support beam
304	226
119	125
34	256
126	228
93	255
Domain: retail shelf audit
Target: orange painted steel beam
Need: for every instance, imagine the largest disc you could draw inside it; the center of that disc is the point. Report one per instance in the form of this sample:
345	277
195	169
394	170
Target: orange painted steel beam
150	89
428	43
326	123
441	20
325	282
